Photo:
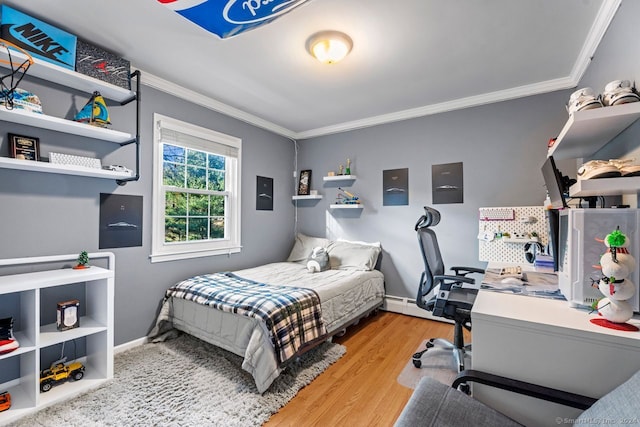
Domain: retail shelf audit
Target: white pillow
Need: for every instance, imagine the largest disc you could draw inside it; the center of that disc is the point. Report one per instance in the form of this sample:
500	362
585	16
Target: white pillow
345	255
304	245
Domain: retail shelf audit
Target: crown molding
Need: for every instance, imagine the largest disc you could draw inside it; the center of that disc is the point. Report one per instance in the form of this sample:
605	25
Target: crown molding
166	86
603	20
457	104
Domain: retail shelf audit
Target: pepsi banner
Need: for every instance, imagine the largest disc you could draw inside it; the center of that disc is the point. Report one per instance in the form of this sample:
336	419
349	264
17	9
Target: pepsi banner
227	18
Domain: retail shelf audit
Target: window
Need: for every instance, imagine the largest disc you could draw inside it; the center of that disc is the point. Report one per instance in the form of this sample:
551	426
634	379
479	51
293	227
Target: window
196	191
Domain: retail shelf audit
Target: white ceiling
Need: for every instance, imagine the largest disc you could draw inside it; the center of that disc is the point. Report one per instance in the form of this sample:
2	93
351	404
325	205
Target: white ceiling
410	57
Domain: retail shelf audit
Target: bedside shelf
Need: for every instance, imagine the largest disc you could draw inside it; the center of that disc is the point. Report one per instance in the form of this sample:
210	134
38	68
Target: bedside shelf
309	197
346	206
339	178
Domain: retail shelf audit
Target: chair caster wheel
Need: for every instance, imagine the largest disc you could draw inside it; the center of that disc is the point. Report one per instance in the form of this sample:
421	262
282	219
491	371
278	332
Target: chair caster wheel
465	388
430	344
417	363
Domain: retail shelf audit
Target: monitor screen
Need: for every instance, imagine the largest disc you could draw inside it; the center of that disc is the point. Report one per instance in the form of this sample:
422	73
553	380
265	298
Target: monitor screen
553	182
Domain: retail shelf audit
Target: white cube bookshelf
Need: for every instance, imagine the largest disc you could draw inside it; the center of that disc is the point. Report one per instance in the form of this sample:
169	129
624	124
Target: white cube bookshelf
96	329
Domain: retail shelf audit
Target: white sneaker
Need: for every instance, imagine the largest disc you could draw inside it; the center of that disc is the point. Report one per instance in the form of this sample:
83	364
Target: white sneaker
598	169
583	99
619	92
625	167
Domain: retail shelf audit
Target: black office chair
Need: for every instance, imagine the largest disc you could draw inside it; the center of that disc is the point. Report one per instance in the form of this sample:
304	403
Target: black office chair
450	300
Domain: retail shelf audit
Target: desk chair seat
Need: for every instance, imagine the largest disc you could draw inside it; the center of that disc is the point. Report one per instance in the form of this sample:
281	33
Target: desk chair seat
444	295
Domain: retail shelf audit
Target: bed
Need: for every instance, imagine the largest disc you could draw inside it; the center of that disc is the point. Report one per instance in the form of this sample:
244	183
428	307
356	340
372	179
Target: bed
349	290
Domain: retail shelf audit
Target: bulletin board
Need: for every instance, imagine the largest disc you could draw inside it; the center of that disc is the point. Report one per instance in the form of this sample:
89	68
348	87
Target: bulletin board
519	223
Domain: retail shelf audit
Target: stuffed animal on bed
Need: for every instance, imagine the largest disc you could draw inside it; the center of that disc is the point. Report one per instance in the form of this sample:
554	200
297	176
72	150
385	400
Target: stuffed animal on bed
318	260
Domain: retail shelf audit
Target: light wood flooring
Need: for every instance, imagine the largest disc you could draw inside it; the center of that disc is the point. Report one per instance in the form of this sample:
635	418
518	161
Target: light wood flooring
361	388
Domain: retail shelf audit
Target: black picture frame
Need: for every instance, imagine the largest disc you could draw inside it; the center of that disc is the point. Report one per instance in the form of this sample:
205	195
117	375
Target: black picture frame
120	221
304	183
264	193
24	147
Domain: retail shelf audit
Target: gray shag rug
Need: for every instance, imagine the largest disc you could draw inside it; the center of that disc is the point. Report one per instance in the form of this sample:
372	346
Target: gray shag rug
184	382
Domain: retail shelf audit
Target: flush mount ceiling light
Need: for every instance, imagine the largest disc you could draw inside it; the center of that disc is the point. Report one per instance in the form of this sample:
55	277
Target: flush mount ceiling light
329	47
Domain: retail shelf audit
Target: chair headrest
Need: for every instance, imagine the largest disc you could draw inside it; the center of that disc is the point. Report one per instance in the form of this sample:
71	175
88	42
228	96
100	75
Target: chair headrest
430	218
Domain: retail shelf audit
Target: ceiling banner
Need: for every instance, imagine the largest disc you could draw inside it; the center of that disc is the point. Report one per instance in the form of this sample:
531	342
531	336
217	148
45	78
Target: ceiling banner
227	18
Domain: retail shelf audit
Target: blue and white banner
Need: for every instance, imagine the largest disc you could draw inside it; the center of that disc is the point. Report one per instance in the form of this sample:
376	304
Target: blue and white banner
227	18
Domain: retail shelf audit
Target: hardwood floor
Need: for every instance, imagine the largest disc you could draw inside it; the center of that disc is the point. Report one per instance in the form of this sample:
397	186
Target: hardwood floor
361	389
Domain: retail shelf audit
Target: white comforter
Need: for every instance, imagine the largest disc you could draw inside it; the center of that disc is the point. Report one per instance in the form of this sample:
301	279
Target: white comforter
345	295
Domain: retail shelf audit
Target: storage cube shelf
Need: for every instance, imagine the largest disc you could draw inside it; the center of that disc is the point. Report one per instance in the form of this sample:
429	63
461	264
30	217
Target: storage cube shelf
96	329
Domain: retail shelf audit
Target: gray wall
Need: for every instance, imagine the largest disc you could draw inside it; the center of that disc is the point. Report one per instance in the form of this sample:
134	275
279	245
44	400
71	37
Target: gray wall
48	214
502	147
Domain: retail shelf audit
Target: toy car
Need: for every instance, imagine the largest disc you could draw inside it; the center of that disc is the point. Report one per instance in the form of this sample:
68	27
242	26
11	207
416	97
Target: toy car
5	401
59	372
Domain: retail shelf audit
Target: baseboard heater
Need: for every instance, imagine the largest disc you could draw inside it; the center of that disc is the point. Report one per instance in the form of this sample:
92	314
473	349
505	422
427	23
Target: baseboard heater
409	307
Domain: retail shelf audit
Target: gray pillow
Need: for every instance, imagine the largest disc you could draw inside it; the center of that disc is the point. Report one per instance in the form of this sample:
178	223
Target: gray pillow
344	255
303	246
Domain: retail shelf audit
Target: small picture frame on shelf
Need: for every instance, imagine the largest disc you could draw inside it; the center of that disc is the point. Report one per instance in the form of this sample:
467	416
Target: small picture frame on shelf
24	147
304	184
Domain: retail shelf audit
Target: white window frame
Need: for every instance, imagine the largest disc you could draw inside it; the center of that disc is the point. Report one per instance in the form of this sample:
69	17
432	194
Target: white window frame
163	251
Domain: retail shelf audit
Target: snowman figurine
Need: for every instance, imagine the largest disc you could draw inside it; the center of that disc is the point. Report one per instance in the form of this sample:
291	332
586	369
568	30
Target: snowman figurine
616	264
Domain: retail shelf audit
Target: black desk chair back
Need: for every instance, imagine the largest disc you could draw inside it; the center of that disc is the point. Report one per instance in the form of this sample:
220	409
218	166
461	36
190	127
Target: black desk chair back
443	294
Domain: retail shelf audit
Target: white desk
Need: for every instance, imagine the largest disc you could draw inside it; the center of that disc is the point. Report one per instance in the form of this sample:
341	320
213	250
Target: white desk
546	342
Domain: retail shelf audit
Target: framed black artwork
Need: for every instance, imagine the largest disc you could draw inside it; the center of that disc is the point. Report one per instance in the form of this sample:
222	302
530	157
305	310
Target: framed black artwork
264	193
120	221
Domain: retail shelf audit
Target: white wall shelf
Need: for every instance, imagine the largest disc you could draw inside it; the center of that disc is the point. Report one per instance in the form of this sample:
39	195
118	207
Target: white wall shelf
70	78
30	165
339	178
587	131
308	197
96	327
74	80
605	186
62	125
345	206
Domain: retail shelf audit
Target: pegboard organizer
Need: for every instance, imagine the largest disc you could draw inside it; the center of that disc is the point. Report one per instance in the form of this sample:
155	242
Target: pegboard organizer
524	221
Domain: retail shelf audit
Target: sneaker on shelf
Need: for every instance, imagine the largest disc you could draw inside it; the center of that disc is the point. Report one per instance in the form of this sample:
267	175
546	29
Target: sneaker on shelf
626	167
619	92
7	341
598	169
583	99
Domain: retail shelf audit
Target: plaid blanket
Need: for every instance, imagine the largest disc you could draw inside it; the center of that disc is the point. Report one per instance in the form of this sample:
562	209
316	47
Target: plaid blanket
292	315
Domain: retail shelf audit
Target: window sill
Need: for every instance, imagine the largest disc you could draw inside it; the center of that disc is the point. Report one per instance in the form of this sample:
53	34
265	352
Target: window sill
175	256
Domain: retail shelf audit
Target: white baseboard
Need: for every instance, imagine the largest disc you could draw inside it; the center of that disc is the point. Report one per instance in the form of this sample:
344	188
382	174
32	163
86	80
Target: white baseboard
131	344
409	307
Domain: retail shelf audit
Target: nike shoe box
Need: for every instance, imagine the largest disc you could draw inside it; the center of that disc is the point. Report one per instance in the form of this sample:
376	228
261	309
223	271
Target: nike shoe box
96	62
43	41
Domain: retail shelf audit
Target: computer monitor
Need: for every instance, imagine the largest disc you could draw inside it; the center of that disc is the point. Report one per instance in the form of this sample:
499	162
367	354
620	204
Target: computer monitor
554	183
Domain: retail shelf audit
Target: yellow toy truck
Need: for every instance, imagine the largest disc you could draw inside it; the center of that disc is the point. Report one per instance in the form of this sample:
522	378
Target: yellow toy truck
59	372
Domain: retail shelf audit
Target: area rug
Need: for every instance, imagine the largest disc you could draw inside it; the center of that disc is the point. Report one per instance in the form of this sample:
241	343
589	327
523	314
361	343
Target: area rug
437	363
184	382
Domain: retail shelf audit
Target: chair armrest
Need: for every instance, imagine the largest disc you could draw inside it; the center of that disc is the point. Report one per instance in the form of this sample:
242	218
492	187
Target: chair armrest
525	388
467	270
446	281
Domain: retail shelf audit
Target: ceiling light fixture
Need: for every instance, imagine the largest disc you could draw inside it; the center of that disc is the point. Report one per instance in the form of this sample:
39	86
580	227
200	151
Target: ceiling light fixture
329	47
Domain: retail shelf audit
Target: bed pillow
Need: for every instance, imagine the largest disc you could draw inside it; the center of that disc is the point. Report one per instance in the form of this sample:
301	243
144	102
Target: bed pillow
304	245
345	255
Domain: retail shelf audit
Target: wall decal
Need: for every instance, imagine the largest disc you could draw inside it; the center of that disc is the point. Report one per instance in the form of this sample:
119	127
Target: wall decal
395	187
120	221
264	193
447	183
227	18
